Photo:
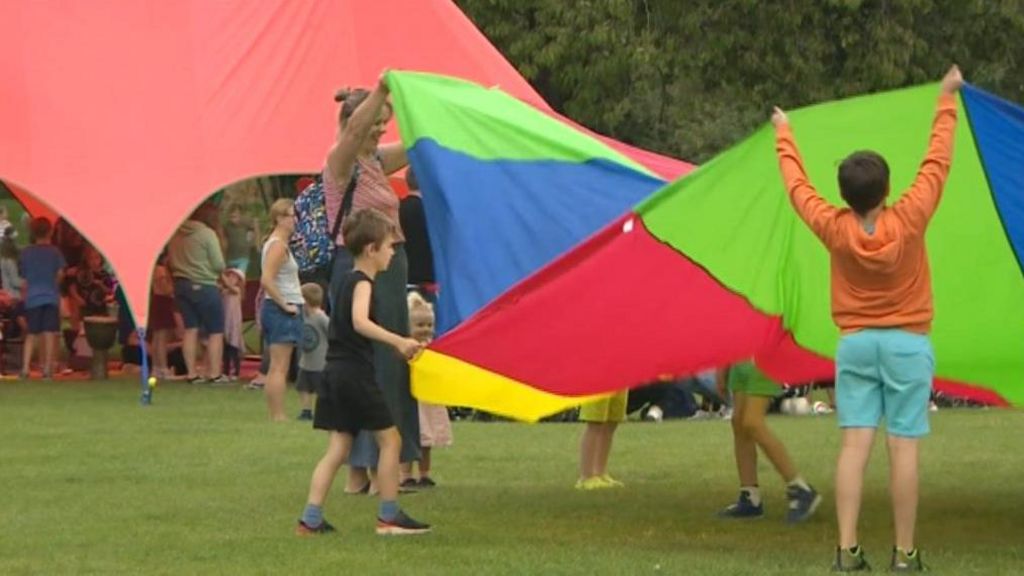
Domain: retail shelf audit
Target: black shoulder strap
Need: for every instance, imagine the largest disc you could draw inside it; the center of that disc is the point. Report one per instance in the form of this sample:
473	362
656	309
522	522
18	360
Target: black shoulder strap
346	201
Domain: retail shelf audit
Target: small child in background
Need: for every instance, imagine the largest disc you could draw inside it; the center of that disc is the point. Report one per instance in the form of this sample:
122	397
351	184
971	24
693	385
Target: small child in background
232	290
42	267
312	348
435	427
602	418
162	320
10	279
752	395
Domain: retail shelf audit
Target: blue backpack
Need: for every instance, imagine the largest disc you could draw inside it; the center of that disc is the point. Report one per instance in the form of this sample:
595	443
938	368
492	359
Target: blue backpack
312	244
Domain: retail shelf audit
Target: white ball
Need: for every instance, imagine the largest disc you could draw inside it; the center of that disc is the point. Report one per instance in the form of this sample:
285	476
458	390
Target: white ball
822	408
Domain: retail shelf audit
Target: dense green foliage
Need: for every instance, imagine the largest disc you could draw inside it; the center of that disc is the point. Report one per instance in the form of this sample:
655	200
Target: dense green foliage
690	78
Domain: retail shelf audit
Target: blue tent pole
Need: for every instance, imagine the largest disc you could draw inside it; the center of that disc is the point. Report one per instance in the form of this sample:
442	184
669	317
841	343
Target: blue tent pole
147	390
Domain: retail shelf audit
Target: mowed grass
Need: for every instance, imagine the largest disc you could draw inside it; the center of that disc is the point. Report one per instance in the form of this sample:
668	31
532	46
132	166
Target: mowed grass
200	483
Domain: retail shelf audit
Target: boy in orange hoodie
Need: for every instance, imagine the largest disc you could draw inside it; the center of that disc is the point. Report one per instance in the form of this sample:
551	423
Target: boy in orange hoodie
882	303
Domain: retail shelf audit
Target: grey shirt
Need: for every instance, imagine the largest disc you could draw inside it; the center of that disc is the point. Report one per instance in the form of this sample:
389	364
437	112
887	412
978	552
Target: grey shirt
313	352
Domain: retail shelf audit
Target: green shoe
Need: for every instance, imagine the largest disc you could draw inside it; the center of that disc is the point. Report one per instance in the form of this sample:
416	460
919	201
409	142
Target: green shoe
906	561
611	481
851	560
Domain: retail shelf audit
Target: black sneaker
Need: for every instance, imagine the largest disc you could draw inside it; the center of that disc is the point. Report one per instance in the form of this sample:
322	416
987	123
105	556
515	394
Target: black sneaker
426	482
906	562
301	529
851	560
802	503
742	508
306	415
401	525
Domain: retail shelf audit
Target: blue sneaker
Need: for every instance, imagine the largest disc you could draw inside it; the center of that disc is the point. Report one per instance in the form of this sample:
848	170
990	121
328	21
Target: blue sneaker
743	508
802	503
851	560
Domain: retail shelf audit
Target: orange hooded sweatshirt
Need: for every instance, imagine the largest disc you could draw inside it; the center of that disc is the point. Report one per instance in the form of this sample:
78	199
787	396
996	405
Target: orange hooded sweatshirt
881	279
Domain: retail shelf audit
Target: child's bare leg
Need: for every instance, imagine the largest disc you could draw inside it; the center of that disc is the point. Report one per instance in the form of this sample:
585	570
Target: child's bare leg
306	398
744	447
389	443
338	447
903	483
853	460
588	450
405	471
757	429
358	478
26	354
603	447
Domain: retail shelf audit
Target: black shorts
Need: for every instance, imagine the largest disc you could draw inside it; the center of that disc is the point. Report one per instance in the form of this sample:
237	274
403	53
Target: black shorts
309	381
347	402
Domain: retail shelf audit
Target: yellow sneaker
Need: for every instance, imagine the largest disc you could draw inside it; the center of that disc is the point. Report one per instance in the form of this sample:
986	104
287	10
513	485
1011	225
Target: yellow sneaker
612	482
592	483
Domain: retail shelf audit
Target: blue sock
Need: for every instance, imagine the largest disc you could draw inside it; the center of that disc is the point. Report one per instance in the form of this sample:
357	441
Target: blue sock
388	510
313	515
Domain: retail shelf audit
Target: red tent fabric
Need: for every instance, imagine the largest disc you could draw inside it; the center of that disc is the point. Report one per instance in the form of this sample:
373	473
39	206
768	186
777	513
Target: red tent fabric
125	115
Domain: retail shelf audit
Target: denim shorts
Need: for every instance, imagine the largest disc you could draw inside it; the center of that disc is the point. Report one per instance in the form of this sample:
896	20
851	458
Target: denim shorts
280	327
200	305
45	318
885	372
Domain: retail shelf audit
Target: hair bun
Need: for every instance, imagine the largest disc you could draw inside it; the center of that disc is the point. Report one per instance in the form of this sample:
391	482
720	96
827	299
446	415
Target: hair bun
342	95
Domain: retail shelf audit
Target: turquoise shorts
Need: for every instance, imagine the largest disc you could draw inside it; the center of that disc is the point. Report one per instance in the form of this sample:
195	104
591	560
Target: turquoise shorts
885	372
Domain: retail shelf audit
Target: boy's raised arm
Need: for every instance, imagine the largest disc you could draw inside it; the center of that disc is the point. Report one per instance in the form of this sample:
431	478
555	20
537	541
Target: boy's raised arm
918	204
812	208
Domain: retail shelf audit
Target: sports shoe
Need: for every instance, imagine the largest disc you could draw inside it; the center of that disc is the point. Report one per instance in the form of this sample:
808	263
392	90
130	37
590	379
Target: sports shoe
426	482
802	503
612	482
851	560
904	562
306	415
409	484
742	508
301	529
219	380
401	525
592	483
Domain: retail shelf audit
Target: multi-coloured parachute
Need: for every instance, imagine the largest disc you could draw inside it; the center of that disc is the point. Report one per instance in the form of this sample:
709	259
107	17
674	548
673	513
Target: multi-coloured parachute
715	267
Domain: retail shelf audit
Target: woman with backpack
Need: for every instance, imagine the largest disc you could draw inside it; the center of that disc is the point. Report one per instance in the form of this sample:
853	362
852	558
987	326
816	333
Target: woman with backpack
358	166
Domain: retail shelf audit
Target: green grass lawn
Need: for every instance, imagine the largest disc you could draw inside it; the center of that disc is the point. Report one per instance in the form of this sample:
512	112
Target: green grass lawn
199	483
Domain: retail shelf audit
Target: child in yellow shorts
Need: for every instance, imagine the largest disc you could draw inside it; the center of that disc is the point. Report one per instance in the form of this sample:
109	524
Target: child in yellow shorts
602	418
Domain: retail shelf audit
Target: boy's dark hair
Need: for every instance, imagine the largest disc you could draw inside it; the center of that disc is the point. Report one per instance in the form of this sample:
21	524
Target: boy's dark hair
863	180
40	228
365	227
313	294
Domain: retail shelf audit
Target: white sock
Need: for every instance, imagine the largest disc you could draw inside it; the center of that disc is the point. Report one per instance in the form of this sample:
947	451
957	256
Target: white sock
754	493
799	482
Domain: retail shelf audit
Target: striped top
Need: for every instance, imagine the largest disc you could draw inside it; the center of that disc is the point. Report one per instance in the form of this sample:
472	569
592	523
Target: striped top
372	191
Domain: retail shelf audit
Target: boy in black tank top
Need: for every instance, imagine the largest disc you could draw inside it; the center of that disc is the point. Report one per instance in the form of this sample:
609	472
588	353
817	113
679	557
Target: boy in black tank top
350	400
